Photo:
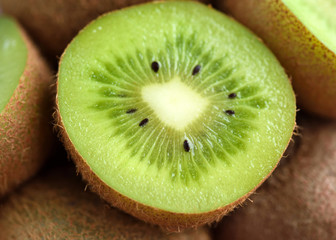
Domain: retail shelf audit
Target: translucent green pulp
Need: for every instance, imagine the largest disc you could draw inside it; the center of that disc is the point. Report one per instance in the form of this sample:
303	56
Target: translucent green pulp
110	72
13	57
319	17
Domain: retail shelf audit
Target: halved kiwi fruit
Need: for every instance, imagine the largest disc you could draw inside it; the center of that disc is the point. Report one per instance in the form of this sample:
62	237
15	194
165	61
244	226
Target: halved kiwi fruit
55	206
302	34
299	200
173	112
25	133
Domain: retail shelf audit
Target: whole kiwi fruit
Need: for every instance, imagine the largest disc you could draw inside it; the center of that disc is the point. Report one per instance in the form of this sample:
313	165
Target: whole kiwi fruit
299	200
56	206
25	106
173	123
302	34
53	24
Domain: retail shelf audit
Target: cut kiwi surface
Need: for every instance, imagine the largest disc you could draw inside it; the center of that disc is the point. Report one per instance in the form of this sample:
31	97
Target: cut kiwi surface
13	58
173	110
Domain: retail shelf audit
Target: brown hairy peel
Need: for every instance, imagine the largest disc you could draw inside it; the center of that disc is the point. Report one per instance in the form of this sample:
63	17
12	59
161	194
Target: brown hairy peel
55	206
25	123
299	200
308	61
168	221
54	23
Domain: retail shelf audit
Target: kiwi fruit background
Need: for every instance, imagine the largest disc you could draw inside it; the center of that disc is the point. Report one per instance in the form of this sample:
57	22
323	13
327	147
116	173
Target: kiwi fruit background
62	194
53	24
25	123
310	63
55	206
299	200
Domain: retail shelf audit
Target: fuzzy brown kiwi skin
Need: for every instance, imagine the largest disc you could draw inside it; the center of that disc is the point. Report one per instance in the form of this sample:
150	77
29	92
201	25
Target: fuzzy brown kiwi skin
55	206
308	61
25	123
54	23
299	201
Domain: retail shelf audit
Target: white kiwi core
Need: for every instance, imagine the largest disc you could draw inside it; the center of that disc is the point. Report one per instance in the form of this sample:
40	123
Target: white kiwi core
174	103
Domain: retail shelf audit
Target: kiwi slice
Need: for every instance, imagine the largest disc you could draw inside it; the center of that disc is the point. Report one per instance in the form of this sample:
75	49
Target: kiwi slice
25	136
171	121
302	34
55	206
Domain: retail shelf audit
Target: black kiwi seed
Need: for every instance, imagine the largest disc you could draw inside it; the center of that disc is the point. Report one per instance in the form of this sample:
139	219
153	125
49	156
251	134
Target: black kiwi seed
186	146
229	112
133	110
155	66
196	69
232	95
143	122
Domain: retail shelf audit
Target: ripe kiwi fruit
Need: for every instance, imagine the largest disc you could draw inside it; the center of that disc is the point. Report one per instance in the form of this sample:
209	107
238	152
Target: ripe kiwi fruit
25	133
55	206
171	122
302	34
54	23
299	200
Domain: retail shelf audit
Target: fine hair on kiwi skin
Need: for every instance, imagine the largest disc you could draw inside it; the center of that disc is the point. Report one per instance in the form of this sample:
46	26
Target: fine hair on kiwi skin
53	24
25	126
310	63
170	220
55	205
298	201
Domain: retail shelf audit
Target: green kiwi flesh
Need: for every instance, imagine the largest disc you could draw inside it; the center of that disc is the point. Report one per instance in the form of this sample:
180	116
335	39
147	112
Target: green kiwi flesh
56	206
13	58
319	17
175	106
